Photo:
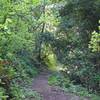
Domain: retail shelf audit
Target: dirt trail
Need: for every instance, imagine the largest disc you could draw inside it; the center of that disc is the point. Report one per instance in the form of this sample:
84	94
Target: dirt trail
40	85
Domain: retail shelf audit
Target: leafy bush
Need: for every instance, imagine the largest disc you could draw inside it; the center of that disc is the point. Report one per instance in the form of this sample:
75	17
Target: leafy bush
23	91
95	41
59	80
81	91
16	45
3	95
68	86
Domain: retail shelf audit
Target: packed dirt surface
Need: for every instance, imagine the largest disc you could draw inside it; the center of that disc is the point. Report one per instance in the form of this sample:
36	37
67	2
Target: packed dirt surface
47	92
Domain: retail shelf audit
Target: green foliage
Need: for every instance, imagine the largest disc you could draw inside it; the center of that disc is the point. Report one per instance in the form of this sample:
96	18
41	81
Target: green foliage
95	41
17	92
83	92
58	80
3	95
66	85
75	27
35	33
49	57
23	91
16	45
32	94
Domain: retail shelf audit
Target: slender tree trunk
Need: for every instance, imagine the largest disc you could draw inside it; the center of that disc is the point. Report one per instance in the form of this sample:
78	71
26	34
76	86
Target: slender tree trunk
43	29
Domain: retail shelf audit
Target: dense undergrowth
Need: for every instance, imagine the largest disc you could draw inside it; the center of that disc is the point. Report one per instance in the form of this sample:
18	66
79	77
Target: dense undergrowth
57	34
16	50
68	86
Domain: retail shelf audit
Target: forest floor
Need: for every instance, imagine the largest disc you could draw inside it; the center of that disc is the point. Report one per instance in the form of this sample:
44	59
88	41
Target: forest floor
47	92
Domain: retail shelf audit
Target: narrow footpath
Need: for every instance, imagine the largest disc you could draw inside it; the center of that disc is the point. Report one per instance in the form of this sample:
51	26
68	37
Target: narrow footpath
48	92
